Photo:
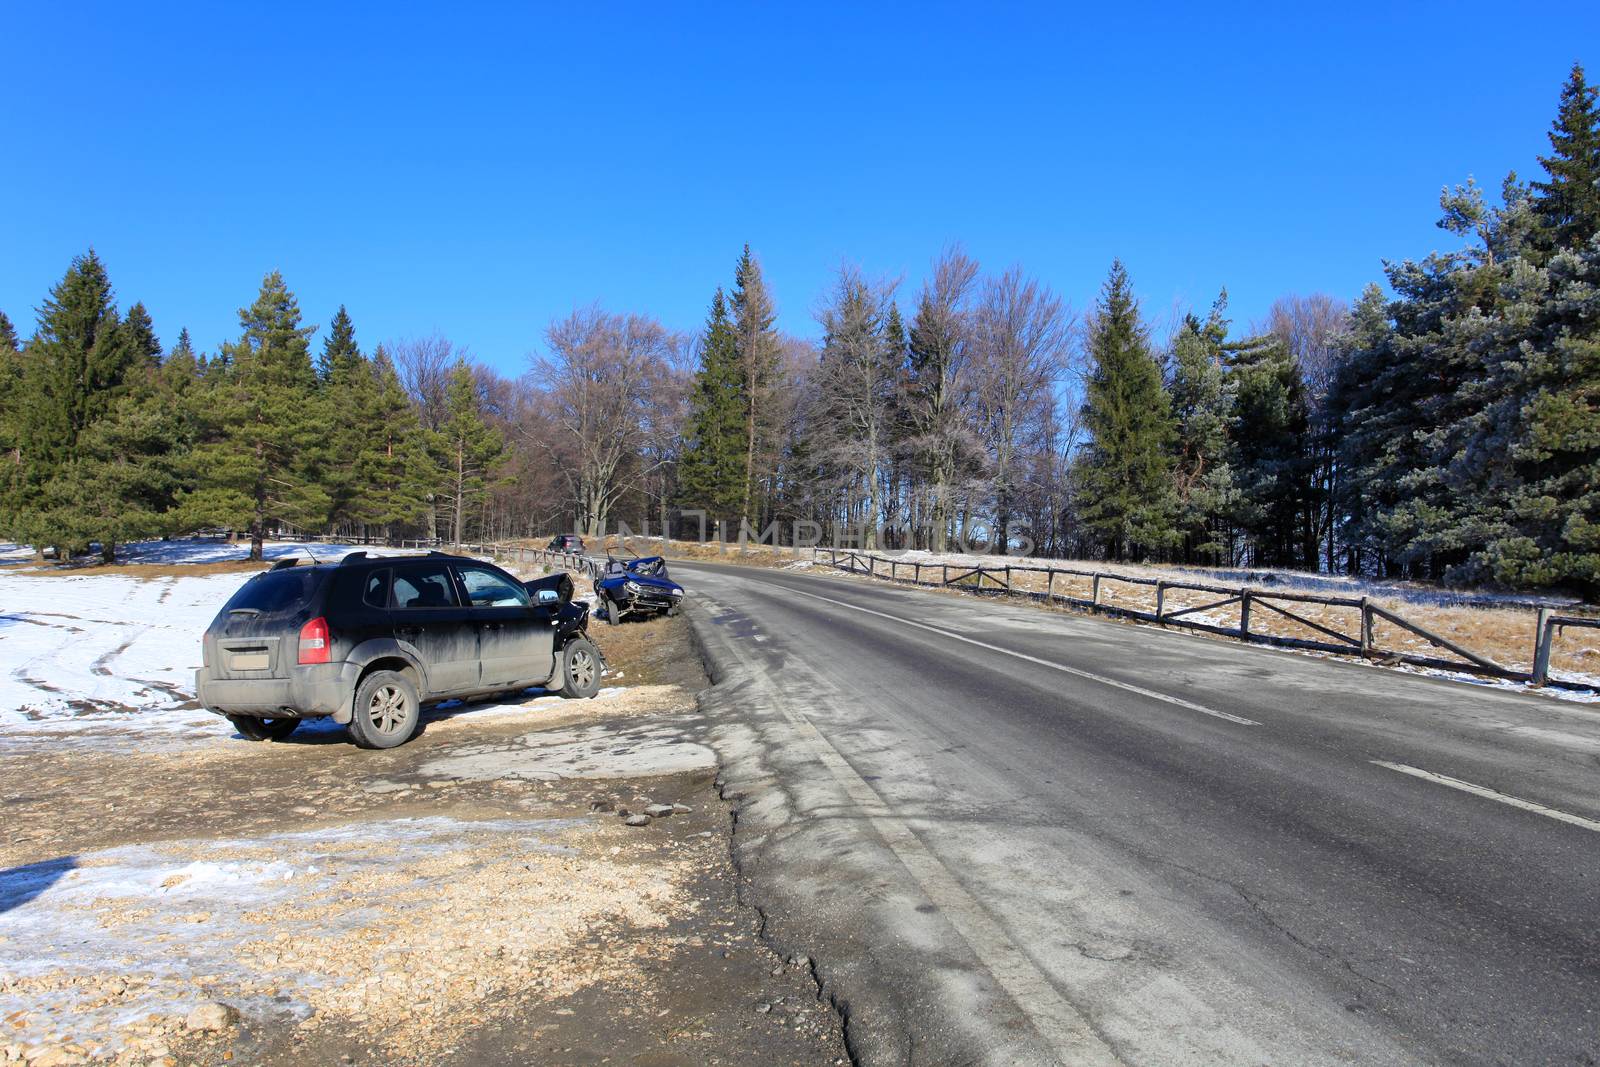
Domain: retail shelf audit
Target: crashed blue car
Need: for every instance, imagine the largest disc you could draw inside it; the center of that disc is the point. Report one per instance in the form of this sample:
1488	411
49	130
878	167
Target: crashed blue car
636	588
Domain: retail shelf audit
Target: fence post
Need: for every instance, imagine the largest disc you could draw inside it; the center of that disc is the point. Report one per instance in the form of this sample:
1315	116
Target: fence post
1161	598
916	574
1094	598
1544	636
1244	615
1366	627
1049	585
1008	577
946	579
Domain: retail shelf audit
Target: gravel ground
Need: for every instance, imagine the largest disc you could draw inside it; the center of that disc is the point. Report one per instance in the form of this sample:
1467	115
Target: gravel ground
475	896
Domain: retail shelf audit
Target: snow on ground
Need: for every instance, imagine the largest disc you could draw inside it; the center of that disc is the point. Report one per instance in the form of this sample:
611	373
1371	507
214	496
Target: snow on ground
82	652
94	944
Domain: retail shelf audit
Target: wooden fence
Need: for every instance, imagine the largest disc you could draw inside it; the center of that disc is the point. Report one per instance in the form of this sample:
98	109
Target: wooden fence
1251	602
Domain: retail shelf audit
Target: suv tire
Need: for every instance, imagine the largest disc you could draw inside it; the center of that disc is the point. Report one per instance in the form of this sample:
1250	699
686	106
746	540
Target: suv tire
252	728
386	711
613	612
580	669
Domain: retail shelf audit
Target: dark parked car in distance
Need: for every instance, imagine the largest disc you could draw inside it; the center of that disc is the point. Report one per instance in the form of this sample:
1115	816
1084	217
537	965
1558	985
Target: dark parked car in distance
638	587
369	640
565	543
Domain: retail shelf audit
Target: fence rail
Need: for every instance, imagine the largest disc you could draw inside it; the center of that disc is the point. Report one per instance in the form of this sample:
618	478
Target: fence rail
1252	601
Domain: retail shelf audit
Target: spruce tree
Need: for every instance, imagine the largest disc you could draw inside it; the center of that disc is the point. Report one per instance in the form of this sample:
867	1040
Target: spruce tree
467	447
76	364
1568	203
124	479
711	473
339	349
395	470
142	336
266	430
1202	408
756	344
1271	455
12	400
349	388
1124	477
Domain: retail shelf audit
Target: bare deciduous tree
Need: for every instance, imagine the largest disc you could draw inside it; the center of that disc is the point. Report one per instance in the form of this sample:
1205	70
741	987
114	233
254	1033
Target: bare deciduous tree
937	391
424	365
598	383
1023	334
1311	327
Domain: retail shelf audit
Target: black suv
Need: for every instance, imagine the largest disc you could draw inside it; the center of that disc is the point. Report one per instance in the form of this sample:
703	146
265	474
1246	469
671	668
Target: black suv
369	640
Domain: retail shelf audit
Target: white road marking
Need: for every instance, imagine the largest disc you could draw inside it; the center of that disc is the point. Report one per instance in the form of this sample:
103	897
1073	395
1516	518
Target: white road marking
1490	794
1089	675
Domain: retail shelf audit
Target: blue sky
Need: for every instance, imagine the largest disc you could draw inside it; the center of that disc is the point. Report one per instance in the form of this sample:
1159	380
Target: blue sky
479	170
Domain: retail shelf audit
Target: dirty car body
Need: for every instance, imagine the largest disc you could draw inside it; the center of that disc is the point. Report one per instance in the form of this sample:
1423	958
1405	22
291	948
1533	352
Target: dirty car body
638	588
297	641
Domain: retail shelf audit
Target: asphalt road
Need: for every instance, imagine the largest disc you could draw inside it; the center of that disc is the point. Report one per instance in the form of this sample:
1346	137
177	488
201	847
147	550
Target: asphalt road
1009	835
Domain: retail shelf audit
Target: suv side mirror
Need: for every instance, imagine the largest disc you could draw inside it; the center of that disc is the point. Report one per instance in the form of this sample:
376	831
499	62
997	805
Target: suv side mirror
546	597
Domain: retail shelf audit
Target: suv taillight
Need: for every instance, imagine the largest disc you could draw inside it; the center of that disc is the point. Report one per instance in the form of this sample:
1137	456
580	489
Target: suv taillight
314	641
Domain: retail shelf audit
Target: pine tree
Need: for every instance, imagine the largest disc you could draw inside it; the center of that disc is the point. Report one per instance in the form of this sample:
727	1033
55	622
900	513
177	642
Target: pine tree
1568	204
1124	478
711	474
267	427
756	344
142	335
8	334
1202	407
468	449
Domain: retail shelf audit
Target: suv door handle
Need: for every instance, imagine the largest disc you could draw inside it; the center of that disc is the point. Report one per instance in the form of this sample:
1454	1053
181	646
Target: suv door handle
408	631
492	625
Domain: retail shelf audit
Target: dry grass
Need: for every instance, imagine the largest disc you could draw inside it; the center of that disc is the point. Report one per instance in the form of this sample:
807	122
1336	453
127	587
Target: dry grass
148	572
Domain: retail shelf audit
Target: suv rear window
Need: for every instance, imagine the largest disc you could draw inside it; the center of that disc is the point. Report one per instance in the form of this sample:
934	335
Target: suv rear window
276	592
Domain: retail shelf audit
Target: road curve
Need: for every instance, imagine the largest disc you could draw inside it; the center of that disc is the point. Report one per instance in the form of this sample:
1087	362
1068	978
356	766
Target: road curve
1011	835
